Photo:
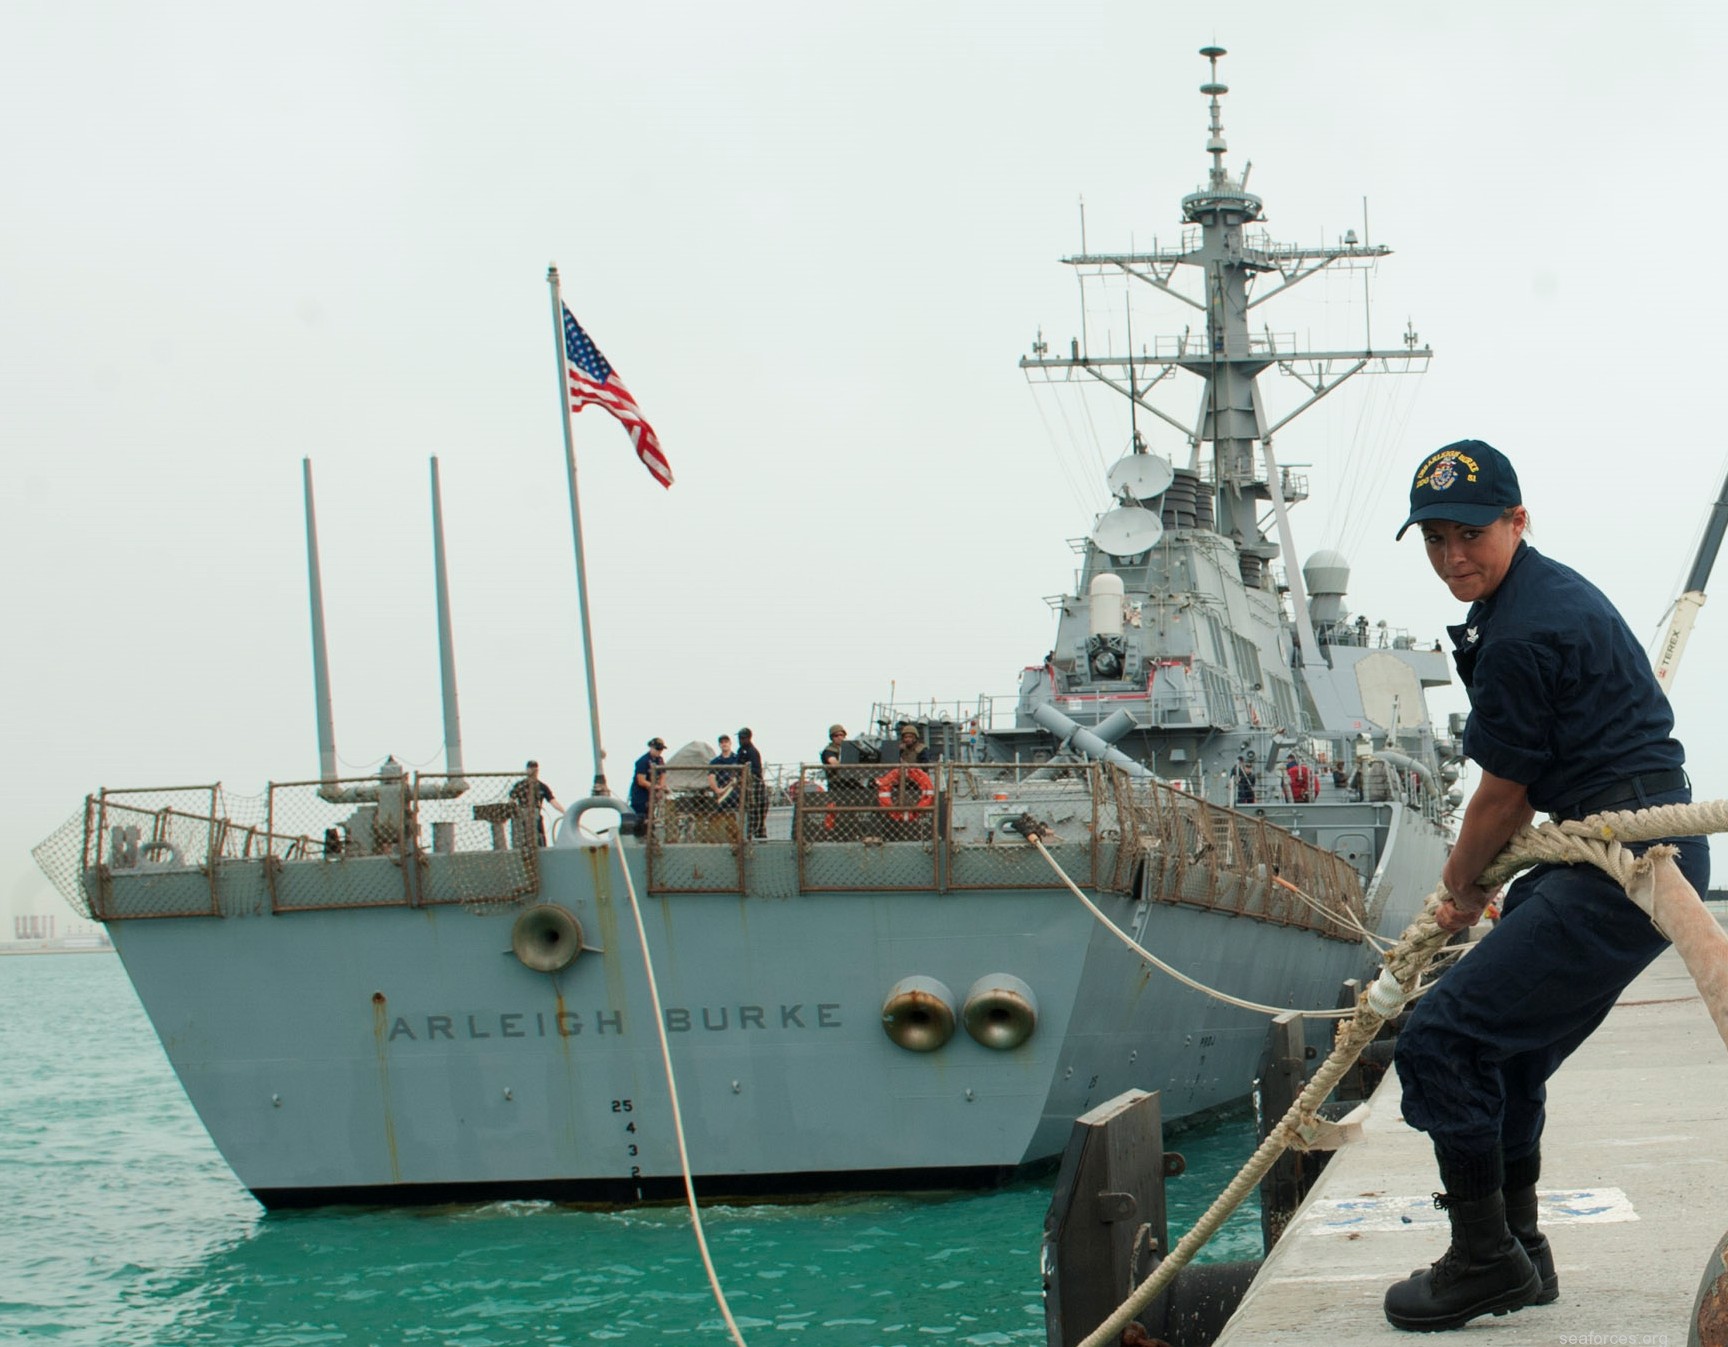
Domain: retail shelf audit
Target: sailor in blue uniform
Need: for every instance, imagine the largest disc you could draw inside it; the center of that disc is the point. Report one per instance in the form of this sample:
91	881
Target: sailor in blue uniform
642	776
1565	717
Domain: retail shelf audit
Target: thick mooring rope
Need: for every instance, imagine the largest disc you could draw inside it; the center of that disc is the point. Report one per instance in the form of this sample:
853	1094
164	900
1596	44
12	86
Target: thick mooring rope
1600	840
677	1113
1169	970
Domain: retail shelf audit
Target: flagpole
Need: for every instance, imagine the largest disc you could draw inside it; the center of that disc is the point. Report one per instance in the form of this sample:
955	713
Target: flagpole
599	787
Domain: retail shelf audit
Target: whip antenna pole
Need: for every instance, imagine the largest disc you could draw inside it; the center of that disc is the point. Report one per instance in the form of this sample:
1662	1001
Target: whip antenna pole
320	650
576	531
446	646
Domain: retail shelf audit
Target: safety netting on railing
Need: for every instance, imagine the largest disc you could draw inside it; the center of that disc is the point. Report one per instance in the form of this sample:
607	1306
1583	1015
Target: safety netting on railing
990	815
1204	855
484	831
60	857
358	832
387	840
156	852
880	826
147	852
868	826
698	819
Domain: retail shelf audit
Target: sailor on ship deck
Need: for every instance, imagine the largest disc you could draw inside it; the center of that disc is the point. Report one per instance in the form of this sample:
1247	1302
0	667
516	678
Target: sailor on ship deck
912	746
722	782
530	795
642	776
755	787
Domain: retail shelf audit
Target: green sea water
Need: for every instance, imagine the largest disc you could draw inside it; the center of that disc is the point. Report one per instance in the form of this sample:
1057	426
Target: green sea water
120	1224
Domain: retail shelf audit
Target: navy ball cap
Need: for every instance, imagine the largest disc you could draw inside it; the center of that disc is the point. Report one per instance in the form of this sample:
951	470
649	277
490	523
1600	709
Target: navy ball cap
1470	482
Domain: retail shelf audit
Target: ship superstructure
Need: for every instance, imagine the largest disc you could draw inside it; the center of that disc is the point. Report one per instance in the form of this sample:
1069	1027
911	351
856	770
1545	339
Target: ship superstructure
1220	645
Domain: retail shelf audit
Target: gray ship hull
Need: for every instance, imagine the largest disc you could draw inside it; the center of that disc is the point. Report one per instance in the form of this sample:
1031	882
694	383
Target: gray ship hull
398	1054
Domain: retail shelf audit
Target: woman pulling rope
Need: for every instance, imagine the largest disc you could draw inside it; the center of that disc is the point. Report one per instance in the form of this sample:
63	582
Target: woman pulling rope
1566	717
1650	879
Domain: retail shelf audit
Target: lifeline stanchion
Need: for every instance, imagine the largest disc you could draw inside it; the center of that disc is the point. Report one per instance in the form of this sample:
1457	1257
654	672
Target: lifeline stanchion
1651	880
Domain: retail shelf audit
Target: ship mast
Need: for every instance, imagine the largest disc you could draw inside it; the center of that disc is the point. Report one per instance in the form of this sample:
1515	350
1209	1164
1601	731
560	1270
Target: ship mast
1228	357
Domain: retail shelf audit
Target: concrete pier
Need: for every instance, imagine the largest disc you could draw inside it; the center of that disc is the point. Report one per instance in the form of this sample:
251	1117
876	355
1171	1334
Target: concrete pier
1634	1197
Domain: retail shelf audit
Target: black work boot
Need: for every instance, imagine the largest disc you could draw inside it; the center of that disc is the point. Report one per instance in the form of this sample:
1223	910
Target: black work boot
1521	1221
1485	1271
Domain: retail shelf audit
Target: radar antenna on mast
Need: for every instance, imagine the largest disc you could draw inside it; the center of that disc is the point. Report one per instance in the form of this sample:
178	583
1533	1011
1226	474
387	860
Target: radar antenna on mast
1215	145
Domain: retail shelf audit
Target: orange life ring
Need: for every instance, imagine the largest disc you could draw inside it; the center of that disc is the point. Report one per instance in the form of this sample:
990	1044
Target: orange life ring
916	776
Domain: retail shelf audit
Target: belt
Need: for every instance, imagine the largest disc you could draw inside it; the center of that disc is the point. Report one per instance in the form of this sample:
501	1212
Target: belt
1628	794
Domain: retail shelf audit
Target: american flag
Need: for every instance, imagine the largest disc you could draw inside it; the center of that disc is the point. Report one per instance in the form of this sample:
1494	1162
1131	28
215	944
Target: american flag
594	383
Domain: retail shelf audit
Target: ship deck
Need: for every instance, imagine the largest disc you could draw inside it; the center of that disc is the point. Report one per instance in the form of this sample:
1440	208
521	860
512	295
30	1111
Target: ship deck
1634	1174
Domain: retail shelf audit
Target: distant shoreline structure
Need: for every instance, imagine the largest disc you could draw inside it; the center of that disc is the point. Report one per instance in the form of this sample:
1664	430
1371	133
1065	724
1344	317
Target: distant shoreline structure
51	933
75	944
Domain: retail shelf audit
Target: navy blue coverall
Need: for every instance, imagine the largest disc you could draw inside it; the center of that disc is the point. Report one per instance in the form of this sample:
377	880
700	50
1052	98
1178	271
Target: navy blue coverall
1563	702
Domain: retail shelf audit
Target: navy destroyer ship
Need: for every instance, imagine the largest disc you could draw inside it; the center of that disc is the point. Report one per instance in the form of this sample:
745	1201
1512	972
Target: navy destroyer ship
392	989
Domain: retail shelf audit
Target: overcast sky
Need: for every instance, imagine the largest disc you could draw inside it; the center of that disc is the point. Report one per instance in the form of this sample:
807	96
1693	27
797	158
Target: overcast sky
814	239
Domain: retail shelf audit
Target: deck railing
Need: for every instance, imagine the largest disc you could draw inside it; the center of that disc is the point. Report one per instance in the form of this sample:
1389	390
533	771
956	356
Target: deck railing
303	845
429	839
958	826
